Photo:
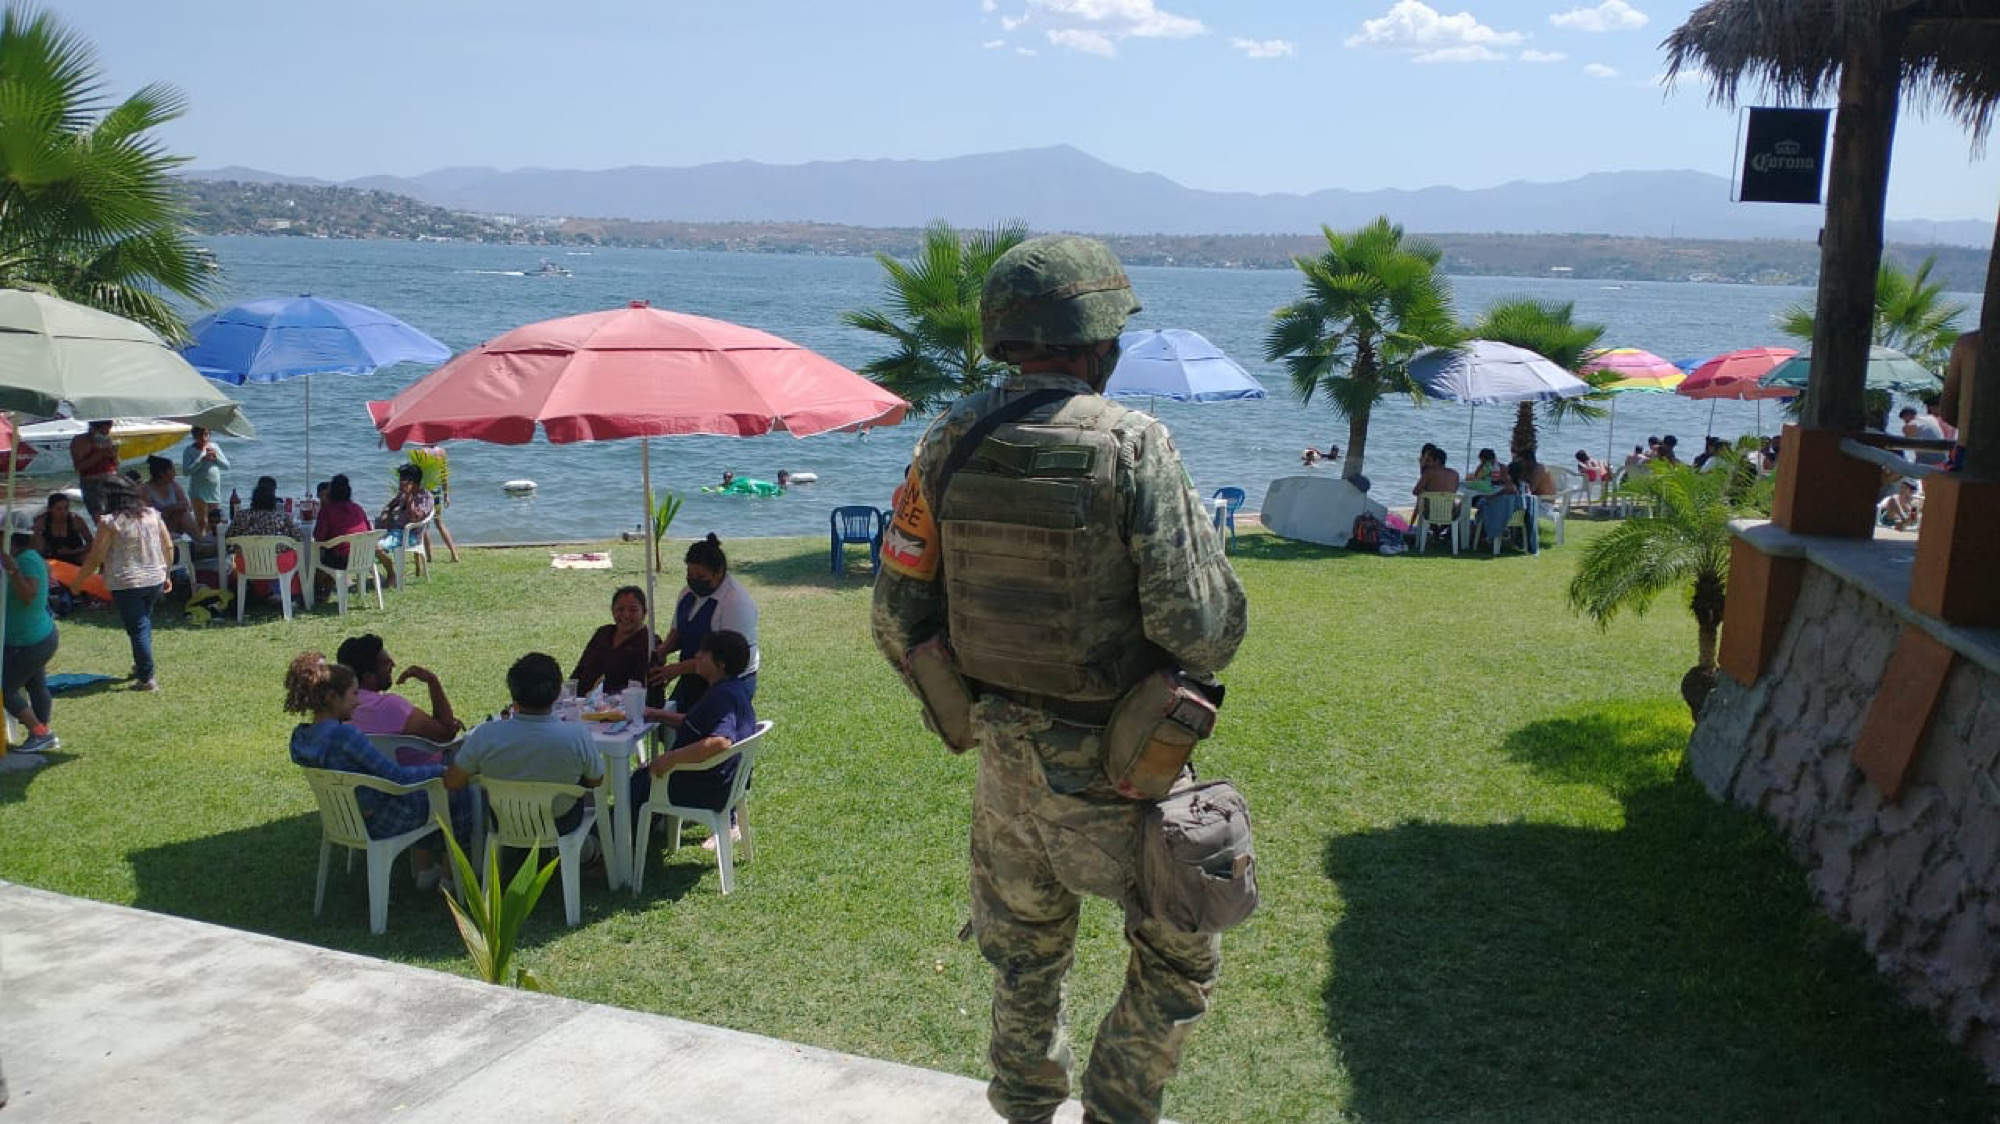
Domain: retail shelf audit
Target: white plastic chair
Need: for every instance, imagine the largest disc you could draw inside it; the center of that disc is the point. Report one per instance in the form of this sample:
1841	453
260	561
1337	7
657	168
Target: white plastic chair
1437	509
717	822
1529	509
341	824
415	549
260	563
360	553
523	816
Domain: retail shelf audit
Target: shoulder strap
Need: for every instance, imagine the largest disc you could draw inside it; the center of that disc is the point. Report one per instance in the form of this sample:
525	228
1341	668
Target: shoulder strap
969	443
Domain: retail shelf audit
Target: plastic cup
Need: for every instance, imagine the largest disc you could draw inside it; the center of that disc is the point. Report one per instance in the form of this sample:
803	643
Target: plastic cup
568	690
634	703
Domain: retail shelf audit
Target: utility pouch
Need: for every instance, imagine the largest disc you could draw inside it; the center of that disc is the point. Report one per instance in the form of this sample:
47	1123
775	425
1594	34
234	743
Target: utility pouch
1152	732
932	675
1197	860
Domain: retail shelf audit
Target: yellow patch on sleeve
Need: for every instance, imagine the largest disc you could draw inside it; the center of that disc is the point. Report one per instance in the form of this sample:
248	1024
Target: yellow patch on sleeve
910	546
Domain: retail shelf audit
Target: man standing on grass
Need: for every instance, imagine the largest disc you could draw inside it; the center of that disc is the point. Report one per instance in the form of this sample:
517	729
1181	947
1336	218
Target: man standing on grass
1069	558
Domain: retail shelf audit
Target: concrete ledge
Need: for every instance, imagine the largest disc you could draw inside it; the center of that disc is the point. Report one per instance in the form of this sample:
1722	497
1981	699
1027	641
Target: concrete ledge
1882	567
110	1013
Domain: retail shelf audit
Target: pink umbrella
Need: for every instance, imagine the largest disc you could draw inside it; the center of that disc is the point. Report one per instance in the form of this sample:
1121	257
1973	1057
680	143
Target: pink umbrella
632	372
1734	374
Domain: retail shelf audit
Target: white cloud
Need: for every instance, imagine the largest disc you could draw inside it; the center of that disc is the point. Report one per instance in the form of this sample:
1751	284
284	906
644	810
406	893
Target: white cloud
994	44
1078	39
988	5
1431	36
1097	26
1532	55
1599	70
1026	52
1612	15
1263	48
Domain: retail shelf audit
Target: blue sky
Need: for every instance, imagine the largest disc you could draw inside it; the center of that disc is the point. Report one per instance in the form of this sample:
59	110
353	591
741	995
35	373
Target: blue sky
1240	95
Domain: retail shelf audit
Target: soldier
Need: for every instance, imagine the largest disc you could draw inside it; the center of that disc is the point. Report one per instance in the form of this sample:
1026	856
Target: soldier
1069	559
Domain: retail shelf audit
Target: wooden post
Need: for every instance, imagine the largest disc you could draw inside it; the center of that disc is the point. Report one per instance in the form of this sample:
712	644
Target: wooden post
1851	249
1982	429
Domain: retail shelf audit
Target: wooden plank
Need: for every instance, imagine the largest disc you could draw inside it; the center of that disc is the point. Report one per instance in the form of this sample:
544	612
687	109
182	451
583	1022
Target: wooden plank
1899	719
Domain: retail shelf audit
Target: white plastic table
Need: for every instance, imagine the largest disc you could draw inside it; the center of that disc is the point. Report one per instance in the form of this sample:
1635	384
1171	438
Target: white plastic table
620	742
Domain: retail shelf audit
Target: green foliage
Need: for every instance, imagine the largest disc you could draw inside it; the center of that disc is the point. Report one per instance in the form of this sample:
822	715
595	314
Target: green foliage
1549	329
933	315
1911	315
436	465
88	208
490	920
664	511
1371	302
1681	542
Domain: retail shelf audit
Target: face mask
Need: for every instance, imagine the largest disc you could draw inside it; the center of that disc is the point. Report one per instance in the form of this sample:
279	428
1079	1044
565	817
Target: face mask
701	588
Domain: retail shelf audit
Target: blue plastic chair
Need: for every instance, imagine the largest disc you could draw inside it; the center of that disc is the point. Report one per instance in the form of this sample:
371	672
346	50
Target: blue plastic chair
1225	516
857	524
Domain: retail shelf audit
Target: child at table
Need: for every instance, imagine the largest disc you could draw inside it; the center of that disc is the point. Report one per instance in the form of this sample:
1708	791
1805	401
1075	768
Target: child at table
533	745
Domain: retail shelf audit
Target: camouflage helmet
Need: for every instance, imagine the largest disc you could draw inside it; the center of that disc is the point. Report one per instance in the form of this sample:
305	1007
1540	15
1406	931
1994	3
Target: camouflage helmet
1058	290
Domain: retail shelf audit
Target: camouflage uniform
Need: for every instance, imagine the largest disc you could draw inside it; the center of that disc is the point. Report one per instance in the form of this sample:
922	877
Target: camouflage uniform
1047	827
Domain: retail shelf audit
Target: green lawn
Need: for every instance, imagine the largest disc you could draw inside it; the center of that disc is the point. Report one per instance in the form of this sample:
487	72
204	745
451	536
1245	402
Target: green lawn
1489	893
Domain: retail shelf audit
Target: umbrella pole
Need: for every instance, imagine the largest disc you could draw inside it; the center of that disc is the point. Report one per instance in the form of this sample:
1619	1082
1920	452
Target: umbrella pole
1712	403
1610	449
1474	417
13	463
652	544
309	436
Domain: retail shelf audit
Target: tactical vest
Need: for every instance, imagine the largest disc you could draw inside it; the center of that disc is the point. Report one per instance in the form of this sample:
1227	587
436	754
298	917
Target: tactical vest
1041	593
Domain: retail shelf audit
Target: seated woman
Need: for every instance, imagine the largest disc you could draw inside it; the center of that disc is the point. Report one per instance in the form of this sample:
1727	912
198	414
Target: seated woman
61	535
328	694
1593	470
167	496
412	504
619	653
339	515
265	517
722	717
712	601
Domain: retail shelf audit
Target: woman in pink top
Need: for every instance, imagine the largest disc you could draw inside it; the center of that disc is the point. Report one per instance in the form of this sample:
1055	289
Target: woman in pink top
136	554
340	515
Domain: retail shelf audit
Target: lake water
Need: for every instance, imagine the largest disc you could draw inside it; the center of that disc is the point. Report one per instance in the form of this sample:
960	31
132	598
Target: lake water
464	294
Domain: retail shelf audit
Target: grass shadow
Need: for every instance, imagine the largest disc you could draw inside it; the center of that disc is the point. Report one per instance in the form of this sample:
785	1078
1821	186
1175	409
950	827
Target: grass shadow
261	879
14	785
1671	969
810	567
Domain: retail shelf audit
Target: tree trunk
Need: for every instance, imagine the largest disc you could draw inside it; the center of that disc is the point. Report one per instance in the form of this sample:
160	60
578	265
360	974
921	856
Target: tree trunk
1707	605
1524	430
1357	442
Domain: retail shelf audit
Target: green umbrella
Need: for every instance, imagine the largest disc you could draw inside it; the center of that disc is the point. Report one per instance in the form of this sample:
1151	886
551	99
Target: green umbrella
1888	369
57	357
60	358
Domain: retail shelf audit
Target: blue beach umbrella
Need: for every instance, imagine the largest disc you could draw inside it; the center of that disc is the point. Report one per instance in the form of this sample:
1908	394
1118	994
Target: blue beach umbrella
1490	373
1178	365
278	338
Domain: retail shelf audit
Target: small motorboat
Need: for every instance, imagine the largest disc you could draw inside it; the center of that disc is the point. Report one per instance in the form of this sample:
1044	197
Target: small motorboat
546	269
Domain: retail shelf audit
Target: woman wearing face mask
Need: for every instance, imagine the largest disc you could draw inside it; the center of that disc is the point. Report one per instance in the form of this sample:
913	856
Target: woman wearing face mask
711	602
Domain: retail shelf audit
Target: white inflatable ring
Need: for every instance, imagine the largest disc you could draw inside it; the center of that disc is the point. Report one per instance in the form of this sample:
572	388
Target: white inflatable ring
518	487
803	477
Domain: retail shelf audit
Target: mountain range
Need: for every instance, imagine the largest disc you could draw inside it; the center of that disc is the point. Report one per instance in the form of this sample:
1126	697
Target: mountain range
1063	188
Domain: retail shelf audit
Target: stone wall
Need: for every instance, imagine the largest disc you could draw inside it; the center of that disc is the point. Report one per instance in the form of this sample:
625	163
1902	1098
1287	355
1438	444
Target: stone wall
1917	878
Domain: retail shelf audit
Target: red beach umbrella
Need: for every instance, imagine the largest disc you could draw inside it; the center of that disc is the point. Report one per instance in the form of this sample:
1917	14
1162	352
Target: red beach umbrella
633	372
638	372
1734	374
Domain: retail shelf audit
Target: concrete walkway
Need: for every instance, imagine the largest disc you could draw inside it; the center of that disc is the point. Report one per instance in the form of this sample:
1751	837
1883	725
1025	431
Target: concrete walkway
114	1014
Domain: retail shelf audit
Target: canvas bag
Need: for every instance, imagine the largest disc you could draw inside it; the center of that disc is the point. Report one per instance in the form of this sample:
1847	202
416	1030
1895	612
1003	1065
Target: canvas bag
1197	860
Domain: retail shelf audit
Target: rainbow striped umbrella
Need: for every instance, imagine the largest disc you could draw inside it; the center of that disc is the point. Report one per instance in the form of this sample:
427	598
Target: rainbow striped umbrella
1637	370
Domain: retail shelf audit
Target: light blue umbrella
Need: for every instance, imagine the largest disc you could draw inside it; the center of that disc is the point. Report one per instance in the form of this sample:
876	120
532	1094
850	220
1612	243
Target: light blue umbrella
277	338
1490	373
1178	365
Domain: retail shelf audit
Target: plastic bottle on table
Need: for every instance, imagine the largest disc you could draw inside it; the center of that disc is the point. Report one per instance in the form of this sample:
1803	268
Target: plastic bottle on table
235	501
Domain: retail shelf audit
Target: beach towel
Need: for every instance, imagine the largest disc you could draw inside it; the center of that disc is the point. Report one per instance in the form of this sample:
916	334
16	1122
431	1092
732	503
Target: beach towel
72	680
593	560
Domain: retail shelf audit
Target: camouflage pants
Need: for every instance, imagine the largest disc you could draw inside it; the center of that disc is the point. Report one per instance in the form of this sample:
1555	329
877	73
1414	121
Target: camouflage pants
1034	852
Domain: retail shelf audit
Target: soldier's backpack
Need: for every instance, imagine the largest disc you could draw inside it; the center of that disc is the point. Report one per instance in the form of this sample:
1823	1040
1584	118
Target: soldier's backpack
1197	861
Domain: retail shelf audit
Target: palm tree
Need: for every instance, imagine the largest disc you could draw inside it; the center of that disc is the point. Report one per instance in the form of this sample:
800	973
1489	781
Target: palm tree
1683	543
1550	330
934	315
88	208
1372	301
1911	315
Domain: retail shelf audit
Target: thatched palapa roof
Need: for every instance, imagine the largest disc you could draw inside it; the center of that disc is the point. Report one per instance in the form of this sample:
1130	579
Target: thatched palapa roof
1795	48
